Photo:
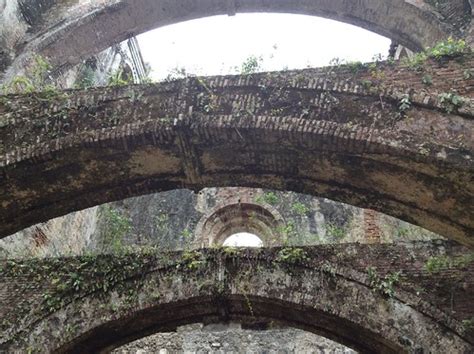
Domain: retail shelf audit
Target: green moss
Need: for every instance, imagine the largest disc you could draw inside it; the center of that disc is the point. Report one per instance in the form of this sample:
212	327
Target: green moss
440	263
292	255
267	197
299	208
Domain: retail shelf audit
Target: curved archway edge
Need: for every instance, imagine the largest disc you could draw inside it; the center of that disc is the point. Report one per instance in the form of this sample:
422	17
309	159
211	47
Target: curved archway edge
87	29
326	291
316	131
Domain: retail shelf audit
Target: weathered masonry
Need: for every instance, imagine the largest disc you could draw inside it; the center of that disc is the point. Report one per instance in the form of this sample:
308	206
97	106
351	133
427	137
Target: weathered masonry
68	32
377	299
339	133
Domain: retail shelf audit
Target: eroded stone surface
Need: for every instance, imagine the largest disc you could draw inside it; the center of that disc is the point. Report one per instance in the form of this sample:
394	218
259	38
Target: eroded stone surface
90	304
324	132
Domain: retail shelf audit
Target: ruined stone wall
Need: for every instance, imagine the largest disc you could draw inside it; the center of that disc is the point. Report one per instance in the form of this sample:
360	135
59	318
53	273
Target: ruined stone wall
169	219
232	338
90	303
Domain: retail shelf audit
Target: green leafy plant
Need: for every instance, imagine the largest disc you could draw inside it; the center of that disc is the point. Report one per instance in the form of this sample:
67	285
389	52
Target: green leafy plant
299	208
86	78
267	197
468	73
177	73
115	228
384	285
251	65
120	78
449	47
366	84
450	101
417	61
335	231
468	324
287	231
192	260
427	80
292	255
405	104
439	263
355	66
443	49
37	80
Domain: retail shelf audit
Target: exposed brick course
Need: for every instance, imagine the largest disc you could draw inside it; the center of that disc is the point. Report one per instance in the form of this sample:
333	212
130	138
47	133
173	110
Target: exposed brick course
330	292
317	131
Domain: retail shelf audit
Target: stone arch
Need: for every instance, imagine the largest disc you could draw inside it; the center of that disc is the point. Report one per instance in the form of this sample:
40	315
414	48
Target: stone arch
333	300
91	28
236	216
353	145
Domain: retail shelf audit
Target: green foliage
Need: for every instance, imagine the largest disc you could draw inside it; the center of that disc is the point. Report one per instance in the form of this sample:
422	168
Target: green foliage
287	231
417	61
355	66
468	73
444	49
267	197
115	228
468	324
405	104
385	285
402	232
36	81
437	264
231	251
450	101
177	73
366	84
186	235
329	269
161	223
251	65
20	84
427	80
448	48
299	208
292	255
86	78
192	260
335	231
119	78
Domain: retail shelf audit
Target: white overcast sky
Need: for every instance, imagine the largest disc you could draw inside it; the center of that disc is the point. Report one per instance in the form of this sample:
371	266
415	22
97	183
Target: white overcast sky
215	45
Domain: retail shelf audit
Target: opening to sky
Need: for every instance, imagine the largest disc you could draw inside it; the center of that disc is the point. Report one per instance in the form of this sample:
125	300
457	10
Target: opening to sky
243	239
220	44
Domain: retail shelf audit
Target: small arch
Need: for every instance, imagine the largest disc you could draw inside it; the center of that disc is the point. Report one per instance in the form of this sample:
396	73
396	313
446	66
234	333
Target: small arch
237	217
243	239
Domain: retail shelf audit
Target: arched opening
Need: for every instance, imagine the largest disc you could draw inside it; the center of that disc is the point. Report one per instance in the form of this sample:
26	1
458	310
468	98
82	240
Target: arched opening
413	24
255	42
240	220
243	239
335	301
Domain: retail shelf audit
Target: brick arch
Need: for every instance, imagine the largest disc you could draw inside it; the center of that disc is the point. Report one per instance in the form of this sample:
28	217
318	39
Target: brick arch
330	295
238	215
318	131
87	29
